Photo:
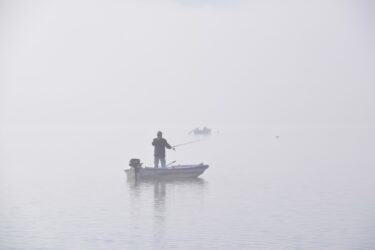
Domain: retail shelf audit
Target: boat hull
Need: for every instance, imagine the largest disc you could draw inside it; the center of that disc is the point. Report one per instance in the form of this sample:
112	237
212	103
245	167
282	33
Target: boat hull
174	172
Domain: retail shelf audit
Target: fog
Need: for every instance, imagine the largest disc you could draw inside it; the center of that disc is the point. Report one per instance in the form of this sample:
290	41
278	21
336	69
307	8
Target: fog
187	63
287	87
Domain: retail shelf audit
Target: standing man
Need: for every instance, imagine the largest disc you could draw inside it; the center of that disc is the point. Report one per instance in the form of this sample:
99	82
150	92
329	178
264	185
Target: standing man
160	144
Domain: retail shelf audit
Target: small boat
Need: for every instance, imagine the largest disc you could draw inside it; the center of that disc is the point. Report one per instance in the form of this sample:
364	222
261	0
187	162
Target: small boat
172	172
197	131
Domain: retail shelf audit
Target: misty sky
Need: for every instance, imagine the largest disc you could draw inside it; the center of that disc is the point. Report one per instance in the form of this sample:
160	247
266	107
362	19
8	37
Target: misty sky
222	63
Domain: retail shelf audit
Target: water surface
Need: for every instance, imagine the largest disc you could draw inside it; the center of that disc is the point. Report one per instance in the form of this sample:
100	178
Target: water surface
306	189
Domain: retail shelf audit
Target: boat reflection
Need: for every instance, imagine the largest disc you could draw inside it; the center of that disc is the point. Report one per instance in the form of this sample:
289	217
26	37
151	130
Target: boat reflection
137	187
134	183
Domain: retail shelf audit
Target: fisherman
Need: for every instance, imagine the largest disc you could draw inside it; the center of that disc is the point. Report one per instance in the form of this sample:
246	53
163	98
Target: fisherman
160	144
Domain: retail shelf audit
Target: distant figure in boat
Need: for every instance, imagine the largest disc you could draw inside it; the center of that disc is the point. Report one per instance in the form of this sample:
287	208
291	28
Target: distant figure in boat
160	144
203	131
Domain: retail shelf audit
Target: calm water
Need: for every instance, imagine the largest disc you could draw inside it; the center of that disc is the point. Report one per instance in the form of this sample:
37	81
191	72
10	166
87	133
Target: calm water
65	188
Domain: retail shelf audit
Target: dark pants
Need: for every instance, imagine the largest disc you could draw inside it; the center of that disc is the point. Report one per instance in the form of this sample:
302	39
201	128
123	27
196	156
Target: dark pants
157	159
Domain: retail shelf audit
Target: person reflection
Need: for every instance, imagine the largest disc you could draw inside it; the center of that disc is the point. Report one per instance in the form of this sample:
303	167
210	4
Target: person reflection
159	195
159	214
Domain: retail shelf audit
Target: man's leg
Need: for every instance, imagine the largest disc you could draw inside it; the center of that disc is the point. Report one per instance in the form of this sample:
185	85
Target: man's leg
156	162
162	159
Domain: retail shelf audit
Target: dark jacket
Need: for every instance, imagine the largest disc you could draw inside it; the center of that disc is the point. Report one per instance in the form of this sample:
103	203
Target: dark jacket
160	144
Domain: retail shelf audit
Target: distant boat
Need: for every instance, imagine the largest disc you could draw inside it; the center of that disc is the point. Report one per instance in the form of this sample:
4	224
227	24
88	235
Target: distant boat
203	131
173	172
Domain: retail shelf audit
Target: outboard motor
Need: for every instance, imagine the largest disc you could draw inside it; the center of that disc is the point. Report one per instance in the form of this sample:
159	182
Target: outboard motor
135	163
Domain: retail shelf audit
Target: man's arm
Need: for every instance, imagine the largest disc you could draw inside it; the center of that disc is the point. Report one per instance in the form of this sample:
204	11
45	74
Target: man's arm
153	142
167	145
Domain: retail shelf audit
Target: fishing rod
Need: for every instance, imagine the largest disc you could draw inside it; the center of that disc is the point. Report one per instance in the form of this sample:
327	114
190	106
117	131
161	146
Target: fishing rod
186	143
170	163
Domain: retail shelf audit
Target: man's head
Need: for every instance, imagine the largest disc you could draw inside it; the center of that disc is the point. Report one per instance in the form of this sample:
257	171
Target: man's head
160	134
